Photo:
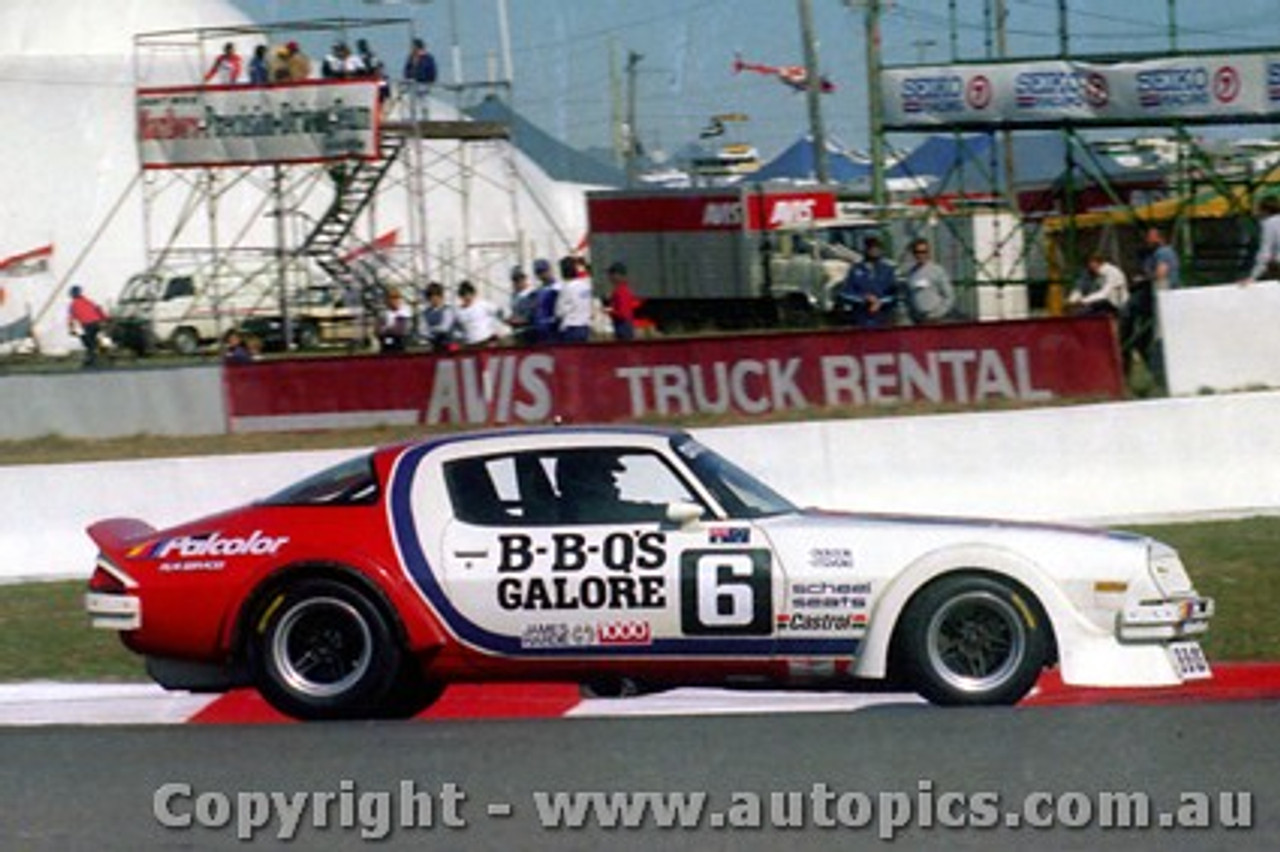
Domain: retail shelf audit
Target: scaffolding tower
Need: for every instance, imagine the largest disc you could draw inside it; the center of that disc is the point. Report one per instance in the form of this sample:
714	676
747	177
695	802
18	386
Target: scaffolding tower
360	221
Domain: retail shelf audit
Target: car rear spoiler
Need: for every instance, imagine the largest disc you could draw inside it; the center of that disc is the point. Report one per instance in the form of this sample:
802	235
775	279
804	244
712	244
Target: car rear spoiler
116	533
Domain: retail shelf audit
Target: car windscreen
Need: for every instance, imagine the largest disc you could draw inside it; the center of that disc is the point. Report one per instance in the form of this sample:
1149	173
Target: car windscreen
740	493
349	483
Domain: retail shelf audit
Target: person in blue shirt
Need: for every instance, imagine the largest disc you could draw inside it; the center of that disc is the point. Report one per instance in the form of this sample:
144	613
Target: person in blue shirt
259	67
546	324
868	297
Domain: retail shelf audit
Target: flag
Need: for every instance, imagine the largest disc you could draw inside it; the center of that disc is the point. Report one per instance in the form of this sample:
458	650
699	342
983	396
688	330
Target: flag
27	263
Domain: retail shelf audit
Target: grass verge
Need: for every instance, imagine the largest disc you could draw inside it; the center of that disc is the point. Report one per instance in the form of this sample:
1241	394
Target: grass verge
44	633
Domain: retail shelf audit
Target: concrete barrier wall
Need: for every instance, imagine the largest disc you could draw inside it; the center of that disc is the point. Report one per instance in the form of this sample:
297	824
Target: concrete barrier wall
113	403
1221	338
1113	463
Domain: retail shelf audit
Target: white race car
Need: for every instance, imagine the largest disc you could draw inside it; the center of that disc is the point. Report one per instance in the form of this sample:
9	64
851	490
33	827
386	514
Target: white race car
624	558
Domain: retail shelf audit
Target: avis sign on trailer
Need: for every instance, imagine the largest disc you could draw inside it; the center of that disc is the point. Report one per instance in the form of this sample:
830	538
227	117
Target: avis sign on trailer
318	121
1031	361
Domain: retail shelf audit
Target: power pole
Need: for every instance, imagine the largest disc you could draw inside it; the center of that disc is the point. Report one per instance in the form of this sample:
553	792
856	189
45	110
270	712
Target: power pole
953	30
617	110
813	91
633	138
1006	135
875	104
1064	39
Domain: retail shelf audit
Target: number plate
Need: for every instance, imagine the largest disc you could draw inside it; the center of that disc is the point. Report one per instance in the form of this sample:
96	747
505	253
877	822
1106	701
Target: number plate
1188	661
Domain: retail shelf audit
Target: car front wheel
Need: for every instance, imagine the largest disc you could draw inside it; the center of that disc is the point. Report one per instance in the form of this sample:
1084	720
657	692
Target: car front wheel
323	650
971	639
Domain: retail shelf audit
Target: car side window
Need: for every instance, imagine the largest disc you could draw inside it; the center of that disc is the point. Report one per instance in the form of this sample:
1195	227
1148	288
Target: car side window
180	288
587	486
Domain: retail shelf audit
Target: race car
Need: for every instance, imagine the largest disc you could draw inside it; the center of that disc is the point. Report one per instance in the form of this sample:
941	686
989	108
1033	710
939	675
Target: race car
623	559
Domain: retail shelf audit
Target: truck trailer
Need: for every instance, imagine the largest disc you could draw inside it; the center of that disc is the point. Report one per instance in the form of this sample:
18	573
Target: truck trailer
729	257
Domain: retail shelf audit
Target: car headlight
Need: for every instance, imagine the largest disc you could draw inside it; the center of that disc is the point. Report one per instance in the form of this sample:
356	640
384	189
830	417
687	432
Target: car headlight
1167	571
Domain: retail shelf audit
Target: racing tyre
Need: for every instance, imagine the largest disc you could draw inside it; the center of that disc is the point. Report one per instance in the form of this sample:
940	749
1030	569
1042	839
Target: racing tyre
323	650
970	639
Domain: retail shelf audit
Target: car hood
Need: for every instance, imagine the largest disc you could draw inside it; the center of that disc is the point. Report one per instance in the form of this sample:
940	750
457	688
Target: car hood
901	538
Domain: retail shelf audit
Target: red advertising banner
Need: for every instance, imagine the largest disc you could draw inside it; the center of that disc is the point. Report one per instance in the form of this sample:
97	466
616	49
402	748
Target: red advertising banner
1031	361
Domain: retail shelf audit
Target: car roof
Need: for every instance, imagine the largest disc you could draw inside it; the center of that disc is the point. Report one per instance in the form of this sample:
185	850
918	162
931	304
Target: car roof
507	435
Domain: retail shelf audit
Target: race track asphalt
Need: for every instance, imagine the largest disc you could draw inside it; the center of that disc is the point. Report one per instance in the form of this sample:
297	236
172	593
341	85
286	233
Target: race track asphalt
70	788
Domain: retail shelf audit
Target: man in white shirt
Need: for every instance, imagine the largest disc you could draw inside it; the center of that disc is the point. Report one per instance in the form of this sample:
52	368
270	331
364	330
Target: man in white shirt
476	318
573	307
1267	262
1102	289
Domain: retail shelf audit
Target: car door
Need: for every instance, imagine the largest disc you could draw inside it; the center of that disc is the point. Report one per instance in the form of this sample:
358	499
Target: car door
642	566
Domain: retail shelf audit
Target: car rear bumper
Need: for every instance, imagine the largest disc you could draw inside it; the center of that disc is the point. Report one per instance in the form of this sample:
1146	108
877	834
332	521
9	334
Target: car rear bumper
113	611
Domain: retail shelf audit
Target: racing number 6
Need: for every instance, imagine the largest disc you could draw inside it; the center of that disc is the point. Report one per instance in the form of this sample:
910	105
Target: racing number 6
725	593
724	590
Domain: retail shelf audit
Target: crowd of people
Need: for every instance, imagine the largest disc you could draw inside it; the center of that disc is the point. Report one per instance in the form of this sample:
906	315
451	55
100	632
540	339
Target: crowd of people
288	62
561	307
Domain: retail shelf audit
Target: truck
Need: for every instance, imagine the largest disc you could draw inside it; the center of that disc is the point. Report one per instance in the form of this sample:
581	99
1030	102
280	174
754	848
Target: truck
184	308
731	257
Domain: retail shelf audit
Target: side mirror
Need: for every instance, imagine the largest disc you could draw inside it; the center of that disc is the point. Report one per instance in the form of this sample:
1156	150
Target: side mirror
684	514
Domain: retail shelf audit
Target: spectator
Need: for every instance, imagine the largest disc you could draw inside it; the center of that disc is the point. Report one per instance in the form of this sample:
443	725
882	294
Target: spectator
545	325
227	67
420	68
1102	289
397	323
476	318
439	320
931	297
1266	264
234	348
1161	265
524	304
373	68
622	302
341	64
575	303
868	296
1140	328
297	63
84	320
278	65
259	67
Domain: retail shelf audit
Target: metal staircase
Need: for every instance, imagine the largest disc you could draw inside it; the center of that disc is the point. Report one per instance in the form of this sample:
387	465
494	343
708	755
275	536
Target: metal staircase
356	185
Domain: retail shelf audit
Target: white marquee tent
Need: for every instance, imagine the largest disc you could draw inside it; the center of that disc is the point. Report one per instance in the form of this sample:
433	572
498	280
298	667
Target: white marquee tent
70	176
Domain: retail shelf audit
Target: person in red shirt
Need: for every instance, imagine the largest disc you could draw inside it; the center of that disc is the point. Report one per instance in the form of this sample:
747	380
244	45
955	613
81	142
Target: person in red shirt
226	67
84	320
622	302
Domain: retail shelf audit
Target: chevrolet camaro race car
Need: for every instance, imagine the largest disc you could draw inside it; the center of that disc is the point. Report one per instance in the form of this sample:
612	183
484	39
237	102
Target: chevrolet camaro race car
622	559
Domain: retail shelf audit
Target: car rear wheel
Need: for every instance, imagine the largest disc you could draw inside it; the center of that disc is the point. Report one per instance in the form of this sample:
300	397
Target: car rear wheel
323	650
971	639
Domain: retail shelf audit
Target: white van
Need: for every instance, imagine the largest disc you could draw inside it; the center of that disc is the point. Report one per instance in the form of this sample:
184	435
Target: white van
184	310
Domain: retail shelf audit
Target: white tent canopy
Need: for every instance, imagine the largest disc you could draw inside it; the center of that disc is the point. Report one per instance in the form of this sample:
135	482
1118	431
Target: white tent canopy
71	176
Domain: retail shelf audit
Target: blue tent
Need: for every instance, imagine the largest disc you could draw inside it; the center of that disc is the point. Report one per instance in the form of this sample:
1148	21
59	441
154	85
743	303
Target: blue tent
975	162
797	162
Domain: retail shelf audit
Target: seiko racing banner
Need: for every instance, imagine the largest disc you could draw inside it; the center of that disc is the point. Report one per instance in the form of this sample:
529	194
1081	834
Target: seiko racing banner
1188	88
1030	361
250	125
